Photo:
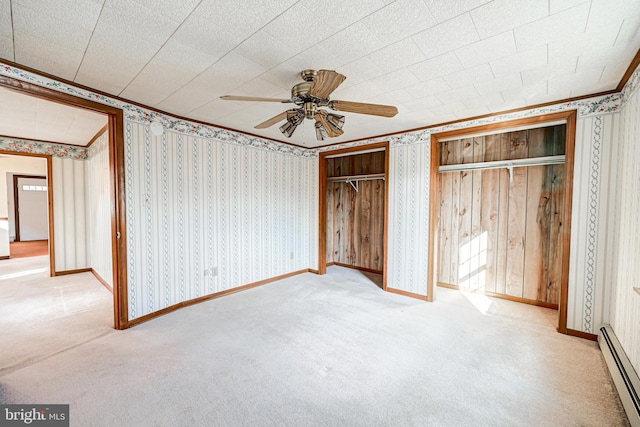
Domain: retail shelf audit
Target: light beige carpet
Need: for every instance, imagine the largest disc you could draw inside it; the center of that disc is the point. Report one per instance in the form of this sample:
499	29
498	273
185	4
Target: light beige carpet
41	315
330	350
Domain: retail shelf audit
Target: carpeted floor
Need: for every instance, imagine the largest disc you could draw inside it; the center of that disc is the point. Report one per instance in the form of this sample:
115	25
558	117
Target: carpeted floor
41	315
28	248
328	350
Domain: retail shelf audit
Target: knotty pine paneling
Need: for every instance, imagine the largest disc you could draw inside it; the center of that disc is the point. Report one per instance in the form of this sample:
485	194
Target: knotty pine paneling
355	219
500	235
355	224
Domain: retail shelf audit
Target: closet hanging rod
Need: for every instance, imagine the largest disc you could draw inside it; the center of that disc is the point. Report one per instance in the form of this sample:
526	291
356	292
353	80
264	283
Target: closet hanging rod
356	178
499	164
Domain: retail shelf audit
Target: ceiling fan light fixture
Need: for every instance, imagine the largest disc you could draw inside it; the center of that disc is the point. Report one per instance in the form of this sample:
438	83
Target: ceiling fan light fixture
294	118
288	128
310	96
335	120
321	132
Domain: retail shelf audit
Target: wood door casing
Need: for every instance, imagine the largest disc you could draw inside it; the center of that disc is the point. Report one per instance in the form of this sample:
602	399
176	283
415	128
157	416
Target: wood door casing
502	236
355	219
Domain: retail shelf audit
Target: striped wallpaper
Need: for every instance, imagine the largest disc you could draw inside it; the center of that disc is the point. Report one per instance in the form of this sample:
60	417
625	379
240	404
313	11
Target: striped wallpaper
408	228
204	216
623	246
98	200
592	214
71	226
211	209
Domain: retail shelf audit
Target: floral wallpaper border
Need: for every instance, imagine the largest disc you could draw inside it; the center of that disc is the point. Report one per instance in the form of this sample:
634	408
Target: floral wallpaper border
48	148
586	107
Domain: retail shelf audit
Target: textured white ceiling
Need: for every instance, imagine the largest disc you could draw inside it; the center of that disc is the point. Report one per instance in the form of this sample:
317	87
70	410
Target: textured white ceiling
436	60
24	116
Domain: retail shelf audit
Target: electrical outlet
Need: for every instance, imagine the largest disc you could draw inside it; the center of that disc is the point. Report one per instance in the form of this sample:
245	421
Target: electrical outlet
291	255
214	271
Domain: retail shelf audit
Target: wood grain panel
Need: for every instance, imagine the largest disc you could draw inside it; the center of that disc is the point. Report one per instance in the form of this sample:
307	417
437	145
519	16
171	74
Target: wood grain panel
498	234
516	225
503	223
445	227
478	243
555	233
536	255
355	219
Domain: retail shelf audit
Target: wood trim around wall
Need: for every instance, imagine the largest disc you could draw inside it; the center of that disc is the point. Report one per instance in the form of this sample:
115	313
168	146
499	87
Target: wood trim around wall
193	301
355	267
101	280
52	254
630	69
406	293
76	271
16	206
322	203
580	334
116	164
501	296
569	117
98	135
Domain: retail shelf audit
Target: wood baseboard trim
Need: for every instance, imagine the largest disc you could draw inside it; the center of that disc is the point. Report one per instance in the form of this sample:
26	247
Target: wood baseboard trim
406	294
355	267
193	301
580	334
101	280
501	296
313	271
65	272
5	257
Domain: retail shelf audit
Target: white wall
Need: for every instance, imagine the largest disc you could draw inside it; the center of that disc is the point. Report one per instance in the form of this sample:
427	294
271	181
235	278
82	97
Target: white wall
592	217
98	200
196	204
16	165
70	211
8	167
623	251
408	245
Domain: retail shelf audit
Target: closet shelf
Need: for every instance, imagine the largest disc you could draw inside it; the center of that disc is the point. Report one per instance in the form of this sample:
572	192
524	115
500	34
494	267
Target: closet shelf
355	178
508	164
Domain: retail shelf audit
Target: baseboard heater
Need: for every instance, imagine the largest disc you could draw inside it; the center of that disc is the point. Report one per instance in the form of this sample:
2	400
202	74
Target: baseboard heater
624	375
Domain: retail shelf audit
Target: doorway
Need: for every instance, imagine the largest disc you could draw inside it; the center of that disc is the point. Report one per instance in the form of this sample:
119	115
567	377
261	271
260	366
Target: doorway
501	205
115	179
31	208
354	210
565	193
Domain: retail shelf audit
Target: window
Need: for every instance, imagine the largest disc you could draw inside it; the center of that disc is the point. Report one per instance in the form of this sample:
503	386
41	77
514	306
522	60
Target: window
34	188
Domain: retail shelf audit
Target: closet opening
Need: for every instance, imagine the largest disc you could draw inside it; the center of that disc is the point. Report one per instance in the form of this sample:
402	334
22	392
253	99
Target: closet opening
353	210
501	210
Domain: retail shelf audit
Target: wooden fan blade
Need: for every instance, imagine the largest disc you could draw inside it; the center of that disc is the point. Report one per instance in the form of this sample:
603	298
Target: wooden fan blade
273	120
325	82
331	131
362	108
253	98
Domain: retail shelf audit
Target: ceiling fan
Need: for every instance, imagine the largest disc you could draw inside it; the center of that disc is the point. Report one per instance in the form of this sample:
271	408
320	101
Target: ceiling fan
312	94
